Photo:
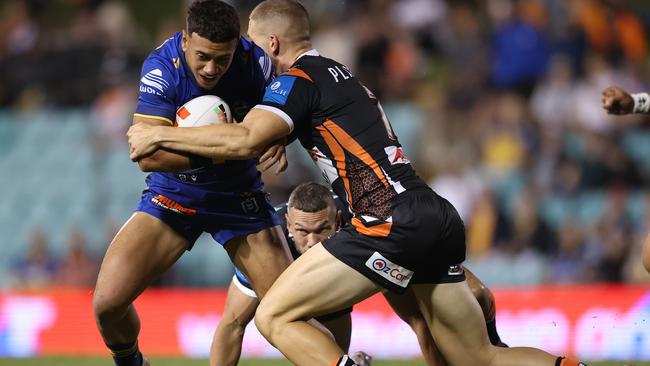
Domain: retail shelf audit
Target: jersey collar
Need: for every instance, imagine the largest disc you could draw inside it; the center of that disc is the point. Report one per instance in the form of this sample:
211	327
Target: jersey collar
311	52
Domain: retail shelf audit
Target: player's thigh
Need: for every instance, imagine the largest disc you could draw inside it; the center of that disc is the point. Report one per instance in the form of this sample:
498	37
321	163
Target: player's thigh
405	305
315	284
482	294
240	308
261	256
143	249
456	321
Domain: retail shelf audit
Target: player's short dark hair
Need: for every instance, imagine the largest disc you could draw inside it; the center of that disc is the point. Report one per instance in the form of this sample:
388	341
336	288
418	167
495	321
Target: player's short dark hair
214	20
311	197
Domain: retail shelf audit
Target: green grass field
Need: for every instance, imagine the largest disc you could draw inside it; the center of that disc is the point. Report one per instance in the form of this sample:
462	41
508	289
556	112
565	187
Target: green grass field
96	361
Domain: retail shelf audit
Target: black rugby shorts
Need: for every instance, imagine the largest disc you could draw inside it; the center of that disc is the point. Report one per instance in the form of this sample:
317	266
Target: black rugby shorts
425	244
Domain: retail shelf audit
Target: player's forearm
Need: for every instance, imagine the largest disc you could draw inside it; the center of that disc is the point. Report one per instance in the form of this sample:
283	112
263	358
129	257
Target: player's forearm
230	142
169	161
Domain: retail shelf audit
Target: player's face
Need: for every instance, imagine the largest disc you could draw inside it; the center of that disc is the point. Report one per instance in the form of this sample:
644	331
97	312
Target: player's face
310	228
207	60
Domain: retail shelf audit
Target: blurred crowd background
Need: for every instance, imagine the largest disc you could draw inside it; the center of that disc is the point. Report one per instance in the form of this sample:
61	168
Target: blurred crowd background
497	103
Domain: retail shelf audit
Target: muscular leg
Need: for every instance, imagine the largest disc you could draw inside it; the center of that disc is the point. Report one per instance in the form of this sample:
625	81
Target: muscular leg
406	307
261	256
482	294
458	326
485	299
143	249
227	340
315	284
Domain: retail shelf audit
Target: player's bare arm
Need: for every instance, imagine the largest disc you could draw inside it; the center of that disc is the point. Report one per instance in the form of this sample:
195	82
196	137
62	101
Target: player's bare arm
163	160
232	141
618	101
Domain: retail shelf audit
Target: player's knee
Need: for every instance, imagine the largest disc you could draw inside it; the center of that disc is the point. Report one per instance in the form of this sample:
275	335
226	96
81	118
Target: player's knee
267	319
233	323
107	308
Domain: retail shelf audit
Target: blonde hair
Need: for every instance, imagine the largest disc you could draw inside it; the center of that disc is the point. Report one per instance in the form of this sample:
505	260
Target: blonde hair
287	18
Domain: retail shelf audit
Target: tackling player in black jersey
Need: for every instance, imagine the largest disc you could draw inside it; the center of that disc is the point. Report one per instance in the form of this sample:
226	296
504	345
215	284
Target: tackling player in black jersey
311	215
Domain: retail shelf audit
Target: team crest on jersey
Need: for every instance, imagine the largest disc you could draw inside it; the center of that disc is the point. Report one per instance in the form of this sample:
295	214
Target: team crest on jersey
153	83
396	155
389	270
249	204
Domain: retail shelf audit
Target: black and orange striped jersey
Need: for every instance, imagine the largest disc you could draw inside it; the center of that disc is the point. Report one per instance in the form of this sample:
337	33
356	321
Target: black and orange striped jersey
345	130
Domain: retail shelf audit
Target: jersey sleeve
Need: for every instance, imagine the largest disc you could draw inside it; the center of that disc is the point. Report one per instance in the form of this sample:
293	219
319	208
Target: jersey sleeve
157	92
293	98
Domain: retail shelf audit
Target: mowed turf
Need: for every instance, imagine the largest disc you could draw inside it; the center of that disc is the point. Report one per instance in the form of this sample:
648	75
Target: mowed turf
103	361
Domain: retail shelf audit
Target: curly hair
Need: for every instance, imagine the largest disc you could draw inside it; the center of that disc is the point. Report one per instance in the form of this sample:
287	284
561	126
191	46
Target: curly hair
214	20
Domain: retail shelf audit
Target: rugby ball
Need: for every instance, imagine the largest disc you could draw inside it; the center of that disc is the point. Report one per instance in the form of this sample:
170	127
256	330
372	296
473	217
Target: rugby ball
202	111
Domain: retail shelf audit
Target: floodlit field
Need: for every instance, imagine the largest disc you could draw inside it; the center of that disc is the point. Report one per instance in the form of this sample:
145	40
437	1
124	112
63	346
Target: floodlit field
95	361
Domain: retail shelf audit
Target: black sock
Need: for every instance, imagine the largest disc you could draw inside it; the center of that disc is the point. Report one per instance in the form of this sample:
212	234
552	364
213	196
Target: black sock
493	334
126	354
344	361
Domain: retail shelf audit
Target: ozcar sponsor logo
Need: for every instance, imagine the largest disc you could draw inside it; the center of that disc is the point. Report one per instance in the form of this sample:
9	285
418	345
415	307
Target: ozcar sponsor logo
389	270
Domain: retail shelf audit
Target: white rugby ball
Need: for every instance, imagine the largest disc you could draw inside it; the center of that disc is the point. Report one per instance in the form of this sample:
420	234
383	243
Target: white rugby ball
202	111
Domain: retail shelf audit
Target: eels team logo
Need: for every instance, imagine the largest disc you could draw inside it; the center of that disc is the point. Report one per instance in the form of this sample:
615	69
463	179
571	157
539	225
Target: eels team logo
153	83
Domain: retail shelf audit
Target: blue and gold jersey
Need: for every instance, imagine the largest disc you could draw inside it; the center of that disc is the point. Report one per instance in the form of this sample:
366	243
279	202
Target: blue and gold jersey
166	84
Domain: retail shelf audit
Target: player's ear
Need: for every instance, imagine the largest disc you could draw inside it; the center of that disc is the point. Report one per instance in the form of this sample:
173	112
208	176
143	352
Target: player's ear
274	44
184	40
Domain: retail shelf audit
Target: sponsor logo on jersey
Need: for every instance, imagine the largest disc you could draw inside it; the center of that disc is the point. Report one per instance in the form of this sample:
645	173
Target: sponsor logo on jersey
389	270
153	83
279	90
171	205
396	155
176	61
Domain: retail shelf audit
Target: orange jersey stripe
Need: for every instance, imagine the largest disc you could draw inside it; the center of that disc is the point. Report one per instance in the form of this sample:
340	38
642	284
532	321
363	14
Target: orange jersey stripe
297	72
353	147
339	157
381	230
